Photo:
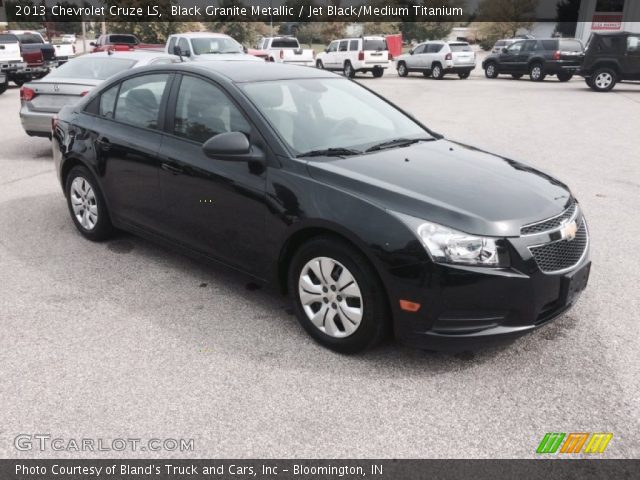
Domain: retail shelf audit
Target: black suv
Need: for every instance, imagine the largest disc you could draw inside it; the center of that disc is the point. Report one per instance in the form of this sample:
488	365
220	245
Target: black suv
537	58
610	58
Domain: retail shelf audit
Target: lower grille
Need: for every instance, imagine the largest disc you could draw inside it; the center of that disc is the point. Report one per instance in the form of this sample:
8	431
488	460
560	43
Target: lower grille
564	254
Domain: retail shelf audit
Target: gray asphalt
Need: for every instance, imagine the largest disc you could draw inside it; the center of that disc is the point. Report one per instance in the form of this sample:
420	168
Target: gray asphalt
128	340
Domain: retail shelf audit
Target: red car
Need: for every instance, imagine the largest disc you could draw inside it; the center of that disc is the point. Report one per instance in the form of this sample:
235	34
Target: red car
121	42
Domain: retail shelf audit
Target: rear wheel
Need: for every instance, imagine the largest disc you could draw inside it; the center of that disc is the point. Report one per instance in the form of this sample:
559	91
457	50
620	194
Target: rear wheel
437	72
378	72
464	75
86	205
491	70
603	80
337	295
403	71
319	65
536	72
348	70
564	76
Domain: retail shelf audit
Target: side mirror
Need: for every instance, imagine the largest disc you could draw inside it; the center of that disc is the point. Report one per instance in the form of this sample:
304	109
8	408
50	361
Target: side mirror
92	44
411	52
505	50
230	146
326	50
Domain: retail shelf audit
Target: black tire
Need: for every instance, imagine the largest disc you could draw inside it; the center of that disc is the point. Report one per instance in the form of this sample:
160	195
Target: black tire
373	326
426	73
516	76
403	71
377	72
536	72
464	75
437	72
491	70
103	228
603	80
348	70
3	86
319	64
588	81
565	77
21	81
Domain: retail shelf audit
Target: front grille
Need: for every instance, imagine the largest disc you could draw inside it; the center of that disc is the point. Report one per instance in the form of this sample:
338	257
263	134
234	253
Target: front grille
563	254
549	224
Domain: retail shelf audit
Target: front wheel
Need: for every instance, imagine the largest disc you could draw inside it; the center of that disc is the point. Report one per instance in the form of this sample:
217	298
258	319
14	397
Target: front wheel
337	295
536	72
464	75
86	205
320	65
491	71
565	77
348	70
437	72
403	71
378	72
603	80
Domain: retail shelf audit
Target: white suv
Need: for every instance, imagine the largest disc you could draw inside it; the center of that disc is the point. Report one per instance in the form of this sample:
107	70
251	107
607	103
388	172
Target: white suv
436	59
351	55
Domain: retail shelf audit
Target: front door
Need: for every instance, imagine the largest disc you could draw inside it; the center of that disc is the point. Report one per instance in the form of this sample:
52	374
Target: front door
214	206
509	59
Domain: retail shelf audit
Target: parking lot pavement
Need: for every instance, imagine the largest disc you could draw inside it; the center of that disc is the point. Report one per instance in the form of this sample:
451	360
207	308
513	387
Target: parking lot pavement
128	340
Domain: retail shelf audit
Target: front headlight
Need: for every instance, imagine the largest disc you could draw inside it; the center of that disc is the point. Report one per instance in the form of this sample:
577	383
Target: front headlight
446	245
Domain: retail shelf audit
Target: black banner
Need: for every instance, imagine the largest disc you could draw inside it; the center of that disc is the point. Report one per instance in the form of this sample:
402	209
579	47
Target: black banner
318	469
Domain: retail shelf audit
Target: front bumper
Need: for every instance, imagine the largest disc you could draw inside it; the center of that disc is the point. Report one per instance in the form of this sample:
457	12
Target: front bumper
464	308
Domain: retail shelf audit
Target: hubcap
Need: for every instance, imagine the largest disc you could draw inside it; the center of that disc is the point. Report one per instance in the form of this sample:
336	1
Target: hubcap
83	203
603	80
330	297
535	73
401	69
436	71
490	70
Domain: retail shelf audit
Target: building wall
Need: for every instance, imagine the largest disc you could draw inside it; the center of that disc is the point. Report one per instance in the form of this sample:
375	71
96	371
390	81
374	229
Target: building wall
586	16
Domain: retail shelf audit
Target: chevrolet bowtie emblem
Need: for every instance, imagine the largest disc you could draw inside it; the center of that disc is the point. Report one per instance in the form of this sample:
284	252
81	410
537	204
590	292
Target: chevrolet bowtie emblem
569	231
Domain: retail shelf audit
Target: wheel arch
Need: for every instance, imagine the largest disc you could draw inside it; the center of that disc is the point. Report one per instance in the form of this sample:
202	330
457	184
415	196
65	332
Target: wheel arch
613	65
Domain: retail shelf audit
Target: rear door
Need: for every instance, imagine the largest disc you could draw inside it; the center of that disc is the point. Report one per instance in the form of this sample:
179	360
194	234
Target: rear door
214	206
126	140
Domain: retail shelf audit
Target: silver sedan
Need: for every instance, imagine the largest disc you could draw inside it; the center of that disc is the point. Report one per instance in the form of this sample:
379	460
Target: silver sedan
42	99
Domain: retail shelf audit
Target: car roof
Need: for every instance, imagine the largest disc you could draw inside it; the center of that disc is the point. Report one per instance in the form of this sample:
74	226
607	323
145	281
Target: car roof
613	34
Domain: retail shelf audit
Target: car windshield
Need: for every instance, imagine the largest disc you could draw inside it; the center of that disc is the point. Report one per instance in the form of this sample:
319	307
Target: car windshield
126	39
570	46
285	43
330	113
29	38
374	44
460	47
8	38
204	46
92	67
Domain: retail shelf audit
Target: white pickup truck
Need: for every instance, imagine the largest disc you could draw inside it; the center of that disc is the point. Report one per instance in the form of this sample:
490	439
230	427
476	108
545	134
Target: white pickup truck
207	46
286	50
11	62
65	49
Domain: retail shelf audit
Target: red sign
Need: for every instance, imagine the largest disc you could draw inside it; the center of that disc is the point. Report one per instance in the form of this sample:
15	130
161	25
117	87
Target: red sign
606	21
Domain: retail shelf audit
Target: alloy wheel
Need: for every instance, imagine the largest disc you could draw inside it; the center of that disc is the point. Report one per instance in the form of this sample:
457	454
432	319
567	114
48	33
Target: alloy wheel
603	80
84	203
330	297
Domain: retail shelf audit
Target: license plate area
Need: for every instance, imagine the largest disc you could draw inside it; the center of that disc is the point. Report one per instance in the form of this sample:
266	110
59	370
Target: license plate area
574	283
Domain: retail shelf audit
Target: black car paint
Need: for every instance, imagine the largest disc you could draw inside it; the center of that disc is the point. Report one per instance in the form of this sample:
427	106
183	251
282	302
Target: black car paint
625	64
520	63
262	210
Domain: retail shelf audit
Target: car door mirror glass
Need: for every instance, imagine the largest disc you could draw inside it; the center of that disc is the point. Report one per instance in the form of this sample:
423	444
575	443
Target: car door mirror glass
226	146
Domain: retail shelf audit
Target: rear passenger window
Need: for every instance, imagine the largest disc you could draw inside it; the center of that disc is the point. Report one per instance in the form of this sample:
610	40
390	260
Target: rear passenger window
550	44
434	47
343	45
139	100
353	45
200	120
108	102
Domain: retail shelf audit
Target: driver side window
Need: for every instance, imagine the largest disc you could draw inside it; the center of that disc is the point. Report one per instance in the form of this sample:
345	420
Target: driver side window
184	45
333	46
515	48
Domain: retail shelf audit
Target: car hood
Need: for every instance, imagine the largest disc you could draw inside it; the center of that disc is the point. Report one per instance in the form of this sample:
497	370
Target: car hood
232	57
450	184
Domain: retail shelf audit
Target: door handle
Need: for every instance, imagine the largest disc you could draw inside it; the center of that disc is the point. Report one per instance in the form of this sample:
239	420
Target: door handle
172	169
103	143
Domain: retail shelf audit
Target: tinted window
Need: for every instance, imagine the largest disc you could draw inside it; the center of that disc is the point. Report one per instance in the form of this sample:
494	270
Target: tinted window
343	45
108	102
333	46
419	49
610	6
7	38
500	43
460	47
213	45
92	67
515	48
570	46
375	45
29	38
139	100
353	45
200	120
172	44
284	43
529	46
127	39
611	44
550	44
434	47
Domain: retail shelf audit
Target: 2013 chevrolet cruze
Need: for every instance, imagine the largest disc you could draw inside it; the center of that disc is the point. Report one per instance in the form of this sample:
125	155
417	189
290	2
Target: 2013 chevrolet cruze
308	180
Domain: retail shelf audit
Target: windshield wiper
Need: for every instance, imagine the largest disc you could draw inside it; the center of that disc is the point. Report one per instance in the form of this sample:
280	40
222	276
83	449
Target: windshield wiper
330	152
397	142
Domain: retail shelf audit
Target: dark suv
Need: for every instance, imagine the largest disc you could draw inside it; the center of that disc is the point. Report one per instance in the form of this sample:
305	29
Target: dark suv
610	58
537	58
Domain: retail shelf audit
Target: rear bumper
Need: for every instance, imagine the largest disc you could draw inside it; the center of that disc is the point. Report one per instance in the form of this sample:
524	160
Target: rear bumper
459	68
12	67
466	308
553	68
36	124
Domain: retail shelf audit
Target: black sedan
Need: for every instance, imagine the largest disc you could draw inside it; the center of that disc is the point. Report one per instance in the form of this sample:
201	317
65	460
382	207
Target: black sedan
307	180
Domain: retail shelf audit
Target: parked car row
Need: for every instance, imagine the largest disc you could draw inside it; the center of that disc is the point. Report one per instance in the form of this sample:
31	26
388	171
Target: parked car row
24	55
